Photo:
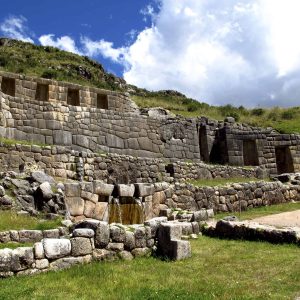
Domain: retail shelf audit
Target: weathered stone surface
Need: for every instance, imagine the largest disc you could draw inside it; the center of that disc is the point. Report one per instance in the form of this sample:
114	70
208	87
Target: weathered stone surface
117	233
180	250
129	240
155	223
101	188
5	237
102	235
200	215
126	190
42	264
125	255
29	236
46	190
83	232
67	262
75	205
22	258
144	189
5	260
51	234
39	252
115	247
56	248
141	252
81	246
41	177
103	254
2	191
72	190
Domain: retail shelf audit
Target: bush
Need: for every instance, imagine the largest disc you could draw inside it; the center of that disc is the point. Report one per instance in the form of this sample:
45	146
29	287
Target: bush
50	74
287	115
257	112
192	107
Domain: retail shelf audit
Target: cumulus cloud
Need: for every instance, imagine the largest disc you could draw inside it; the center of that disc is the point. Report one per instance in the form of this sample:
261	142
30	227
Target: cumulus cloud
15	28
106	49
235	51
65	43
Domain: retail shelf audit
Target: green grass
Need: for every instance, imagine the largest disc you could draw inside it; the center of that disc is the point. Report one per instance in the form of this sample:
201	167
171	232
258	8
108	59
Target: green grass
262	211
285	120
10	142
12	245
218	269
221	181
11	221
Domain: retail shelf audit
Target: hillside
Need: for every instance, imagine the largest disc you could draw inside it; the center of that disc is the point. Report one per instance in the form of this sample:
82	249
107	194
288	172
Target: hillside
52	63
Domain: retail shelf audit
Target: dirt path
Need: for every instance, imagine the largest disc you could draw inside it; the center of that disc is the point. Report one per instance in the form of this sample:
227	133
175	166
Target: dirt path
287	219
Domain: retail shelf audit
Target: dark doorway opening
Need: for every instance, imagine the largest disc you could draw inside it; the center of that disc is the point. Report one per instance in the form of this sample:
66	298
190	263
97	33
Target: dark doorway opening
8	86
219	151
250	153
204	153
102	101
284	160
42	92
170	169
73	97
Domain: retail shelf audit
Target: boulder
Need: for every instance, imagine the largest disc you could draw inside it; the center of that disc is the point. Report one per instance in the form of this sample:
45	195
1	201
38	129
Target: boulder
83	232
46	190
56	248
22	258
2	191
126	190
102	235
104	189
81	246
41	177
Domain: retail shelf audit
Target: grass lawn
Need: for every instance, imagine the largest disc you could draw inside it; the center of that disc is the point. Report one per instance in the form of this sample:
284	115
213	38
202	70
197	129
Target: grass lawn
11	221
218	269
12	245
262	211
221	181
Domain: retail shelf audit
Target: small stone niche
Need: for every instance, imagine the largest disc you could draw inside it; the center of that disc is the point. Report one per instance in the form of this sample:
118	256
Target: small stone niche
42	92
8	86
170	169
102	101
73	97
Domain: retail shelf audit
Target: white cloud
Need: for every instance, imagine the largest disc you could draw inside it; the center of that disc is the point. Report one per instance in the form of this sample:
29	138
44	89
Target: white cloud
15	27
106	49
65	43
244	52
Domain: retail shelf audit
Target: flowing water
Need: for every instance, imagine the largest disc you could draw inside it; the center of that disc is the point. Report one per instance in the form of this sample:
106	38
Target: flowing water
126	210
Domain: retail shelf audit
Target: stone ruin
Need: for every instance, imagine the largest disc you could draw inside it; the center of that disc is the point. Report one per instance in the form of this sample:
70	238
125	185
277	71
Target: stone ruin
93	156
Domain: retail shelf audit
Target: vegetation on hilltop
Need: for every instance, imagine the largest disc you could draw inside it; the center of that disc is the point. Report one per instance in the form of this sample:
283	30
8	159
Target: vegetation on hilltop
52	63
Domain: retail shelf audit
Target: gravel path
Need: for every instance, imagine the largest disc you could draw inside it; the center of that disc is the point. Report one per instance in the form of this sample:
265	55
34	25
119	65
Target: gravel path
287	219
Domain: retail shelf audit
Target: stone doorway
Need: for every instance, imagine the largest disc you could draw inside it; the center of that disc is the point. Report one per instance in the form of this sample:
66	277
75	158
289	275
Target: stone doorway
8	86
204	153
42	92
284	160
250	153
73	97
219	151
102	101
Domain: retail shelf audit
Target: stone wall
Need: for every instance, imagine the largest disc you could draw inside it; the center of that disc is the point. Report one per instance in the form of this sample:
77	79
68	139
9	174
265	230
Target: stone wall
96	241
243	145
62	162
97	130
26	89
232	198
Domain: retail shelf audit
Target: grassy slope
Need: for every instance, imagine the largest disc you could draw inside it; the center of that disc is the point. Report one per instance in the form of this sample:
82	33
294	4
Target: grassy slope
9	220
219	269
262	211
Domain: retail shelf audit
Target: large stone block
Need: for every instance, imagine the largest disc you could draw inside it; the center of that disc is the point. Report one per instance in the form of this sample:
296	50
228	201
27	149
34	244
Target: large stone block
22	258
75	205
104	189
72	190
126	190
81	246
30	236
56	248
67	262
61	137
102	235
144	189
5	260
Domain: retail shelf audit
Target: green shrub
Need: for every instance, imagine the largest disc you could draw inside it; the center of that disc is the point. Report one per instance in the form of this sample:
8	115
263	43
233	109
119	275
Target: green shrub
50	74
257	112
192	107
288	115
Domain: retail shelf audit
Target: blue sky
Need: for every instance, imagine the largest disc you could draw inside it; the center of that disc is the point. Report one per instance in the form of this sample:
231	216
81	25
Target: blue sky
242	52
